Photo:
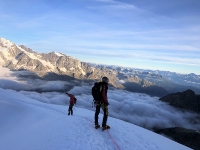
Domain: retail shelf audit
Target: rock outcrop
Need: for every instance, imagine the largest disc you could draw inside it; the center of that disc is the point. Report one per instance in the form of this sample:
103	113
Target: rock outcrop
186	100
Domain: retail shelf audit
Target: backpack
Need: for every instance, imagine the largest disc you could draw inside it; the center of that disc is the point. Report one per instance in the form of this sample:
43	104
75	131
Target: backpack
75	100
96	91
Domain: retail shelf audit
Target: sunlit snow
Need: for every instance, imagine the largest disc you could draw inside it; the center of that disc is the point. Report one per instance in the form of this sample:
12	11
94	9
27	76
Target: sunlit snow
27	124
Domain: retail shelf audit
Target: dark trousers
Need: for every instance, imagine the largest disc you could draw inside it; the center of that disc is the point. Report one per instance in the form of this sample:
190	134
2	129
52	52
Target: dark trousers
105	115
70	110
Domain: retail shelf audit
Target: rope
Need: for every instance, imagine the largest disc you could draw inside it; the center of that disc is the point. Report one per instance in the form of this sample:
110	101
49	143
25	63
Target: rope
87	119
108	134
113	140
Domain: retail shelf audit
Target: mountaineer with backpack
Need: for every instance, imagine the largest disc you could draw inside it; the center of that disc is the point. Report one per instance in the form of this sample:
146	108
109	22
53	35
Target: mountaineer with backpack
99	93
72	102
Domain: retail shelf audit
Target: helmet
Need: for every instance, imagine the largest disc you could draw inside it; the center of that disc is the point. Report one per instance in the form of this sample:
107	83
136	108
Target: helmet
105	79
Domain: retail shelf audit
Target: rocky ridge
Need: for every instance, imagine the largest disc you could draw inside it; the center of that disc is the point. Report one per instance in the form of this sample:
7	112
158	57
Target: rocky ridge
56	65
186	100
171	81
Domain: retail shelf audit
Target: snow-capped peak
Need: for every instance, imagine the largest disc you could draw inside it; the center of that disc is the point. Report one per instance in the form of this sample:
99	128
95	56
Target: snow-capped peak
5	43
59	54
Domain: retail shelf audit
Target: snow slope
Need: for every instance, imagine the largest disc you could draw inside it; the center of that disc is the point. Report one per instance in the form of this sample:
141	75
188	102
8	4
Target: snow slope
27	124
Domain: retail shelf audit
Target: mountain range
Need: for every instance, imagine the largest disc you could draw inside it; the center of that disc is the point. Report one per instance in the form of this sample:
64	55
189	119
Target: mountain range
58	66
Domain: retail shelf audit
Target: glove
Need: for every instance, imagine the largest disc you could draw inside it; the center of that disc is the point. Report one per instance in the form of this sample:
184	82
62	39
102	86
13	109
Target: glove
96	102
106	103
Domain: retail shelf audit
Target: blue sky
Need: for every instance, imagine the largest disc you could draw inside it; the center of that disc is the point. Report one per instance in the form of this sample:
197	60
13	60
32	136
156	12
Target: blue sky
159	34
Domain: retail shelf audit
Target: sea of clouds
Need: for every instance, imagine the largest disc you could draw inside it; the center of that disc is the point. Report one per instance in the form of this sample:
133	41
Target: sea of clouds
140	109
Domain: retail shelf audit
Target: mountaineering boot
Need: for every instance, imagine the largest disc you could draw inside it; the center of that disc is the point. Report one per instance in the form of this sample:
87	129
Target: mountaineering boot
106	127
97	126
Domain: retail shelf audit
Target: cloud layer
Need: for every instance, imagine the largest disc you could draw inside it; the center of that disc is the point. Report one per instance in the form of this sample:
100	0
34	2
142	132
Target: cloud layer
136	108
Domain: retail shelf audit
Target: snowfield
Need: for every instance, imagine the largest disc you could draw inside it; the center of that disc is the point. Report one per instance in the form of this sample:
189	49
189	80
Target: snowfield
27	124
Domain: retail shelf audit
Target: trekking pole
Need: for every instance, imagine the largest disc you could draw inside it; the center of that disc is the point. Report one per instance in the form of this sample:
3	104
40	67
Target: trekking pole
74	108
